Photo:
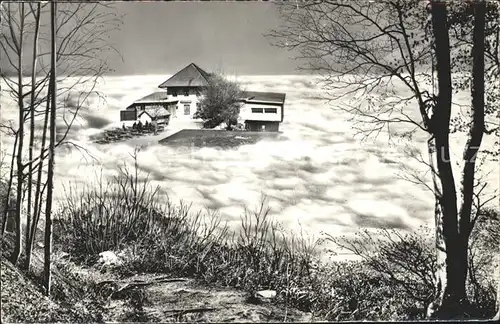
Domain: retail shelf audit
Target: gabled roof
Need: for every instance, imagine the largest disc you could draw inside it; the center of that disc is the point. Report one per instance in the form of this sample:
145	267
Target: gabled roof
257	96
190	76
152	98
144	112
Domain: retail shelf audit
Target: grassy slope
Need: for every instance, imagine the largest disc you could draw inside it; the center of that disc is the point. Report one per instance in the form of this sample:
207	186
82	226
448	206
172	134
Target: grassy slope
23	301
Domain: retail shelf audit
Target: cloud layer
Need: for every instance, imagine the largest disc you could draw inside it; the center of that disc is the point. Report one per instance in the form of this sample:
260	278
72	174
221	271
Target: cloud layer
319	176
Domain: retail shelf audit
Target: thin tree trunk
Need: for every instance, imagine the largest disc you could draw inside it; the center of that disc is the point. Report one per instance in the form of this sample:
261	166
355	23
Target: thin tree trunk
9	186
32	137
38	193
50	171
476	130
19	192
440	275
497	315
475	136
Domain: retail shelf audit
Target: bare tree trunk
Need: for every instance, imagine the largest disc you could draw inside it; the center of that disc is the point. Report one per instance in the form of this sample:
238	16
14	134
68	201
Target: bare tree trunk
451	298
32	136
477	128
475	136
9	187
452	227
71	47
38	193
497	315
19	192
50	175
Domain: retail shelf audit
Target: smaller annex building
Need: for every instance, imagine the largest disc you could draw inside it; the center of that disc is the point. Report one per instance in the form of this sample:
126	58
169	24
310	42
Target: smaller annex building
262	111
155	106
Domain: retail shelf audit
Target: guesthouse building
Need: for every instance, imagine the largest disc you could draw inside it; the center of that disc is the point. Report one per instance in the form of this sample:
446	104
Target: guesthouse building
180	99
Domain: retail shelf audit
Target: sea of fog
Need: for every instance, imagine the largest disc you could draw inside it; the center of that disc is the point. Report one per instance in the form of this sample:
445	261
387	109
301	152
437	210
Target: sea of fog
321	178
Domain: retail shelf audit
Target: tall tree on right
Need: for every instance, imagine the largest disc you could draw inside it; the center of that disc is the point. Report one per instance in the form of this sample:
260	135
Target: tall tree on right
362	49
453	225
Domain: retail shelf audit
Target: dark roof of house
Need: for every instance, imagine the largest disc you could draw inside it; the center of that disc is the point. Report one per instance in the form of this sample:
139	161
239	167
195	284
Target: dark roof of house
264	96
190	76
160	97
144	112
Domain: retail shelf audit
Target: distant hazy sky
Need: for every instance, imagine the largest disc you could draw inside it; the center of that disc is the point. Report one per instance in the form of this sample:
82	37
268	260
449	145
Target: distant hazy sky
162	37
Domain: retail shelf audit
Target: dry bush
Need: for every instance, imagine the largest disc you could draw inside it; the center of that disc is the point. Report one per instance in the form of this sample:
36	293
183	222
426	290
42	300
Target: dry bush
394	279
108	216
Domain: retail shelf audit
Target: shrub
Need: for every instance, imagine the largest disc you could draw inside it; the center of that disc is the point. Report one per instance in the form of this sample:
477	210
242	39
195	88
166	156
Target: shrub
394	279
484	245
407	260
109	216
351	291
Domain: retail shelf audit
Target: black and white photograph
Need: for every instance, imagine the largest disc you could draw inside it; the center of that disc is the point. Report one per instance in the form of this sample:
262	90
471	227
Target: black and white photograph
250	161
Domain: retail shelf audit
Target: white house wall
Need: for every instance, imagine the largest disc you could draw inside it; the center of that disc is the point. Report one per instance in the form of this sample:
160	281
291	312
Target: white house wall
247	114
245	110
192	98
144	118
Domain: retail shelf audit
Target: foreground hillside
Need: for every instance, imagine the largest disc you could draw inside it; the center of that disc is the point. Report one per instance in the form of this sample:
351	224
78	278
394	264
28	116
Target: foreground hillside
91	295
22	301
163	302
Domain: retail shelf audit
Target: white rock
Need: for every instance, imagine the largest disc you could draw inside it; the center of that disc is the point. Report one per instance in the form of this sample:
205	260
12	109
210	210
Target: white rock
107	258
266	294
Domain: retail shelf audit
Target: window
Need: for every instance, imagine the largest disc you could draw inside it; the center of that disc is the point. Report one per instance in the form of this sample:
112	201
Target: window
187	109
174	93
186	92
257	110
271	110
